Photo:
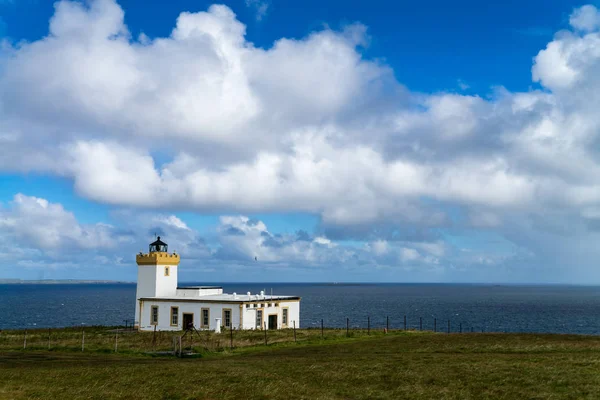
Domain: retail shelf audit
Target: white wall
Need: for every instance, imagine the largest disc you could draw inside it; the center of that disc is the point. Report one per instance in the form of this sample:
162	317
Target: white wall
152	282
249	317
293	313
146	286
195	292
216	311
165	285
164	314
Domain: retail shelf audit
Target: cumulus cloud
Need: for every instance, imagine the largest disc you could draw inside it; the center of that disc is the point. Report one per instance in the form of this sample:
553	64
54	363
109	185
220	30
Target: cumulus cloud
585	18
45	225
307	125
243	239
40	235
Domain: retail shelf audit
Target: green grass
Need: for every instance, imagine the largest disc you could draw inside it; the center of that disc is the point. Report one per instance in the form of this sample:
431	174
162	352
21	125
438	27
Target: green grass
399	365
102	339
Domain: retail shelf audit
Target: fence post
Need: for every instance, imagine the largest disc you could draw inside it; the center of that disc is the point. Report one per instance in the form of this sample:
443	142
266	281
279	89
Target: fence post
154	339
347	327
448	326
387	323
405	322
25	340
48	338
231	336
322	329
294	331
116	340
82	339
420	323
180	348
435	325
368	325
460	328
265	325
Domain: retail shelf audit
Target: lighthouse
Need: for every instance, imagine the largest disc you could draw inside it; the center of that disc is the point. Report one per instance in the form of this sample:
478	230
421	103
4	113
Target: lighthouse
164	306
157	273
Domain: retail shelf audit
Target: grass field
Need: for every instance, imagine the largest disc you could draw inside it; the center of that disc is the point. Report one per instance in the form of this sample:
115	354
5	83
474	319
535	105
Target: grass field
399	365
107	339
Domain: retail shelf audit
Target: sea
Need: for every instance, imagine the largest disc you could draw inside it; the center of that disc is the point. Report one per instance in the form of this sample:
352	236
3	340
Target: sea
460	307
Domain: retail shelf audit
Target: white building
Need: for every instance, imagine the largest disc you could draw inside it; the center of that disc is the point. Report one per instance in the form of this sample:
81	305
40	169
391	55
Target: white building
164	306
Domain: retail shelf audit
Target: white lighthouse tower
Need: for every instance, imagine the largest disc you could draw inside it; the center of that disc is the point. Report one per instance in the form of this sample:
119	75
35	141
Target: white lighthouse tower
157	274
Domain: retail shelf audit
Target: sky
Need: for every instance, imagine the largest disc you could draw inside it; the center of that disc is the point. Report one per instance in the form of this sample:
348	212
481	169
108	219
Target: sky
277	141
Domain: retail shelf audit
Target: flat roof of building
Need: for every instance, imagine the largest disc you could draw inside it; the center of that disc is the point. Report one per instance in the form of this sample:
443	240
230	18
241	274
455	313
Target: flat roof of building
222	298
199	287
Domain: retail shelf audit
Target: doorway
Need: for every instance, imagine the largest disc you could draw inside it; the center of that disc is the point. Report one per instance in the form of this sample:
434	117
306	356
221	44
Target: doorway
273	321
188	321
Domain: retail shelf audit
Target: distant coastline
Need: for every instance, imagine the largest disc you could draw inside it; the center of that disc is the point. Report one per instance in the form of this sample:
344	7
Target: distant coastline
55	281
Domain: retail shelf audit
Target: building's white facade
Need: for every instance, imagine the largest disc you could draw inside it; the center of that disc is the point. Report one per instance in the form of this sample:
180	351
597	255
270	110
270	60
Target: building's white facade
163	306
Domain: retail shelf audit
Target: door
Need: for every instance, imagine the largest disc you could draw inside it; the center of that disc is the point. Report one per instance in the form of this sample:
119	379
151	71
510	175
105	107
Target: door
273	321
188	321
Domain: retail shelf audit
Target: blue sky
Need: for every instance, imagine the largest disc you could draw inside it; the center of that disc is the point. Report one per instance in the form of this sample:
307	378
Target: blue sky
413	38
333	141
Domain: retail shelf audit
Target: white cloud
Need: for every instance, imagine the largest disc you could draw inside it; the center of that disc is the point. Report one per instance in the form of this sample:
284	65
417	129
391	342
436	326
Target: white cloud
176	222
307	125
463	85
484	219
277	119
408	255
49	226
245	239
240	243
552	66
260	7
585	18
38	232
380	247
44	236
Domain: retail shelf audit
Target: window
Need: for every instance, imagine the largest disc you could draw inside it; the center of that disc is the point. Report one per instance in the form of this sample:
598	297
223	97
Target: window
227	317
247	305
284	317
205	318
154	315
167	271
174	316
259	318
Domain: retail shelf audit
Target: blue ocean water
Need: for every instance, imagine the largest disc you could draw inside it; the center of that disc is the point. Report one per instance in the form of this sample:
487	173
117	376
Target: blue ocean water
492	308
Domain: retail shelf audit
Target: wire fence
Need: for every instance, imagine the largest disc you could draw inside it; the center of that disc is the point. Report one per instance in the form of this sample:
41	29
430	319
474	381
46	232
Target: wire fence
128	340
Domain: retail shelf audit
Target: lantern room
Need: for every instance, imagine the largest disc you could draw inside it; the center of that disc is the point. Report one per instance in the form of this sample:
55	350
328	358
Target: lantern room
158	246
